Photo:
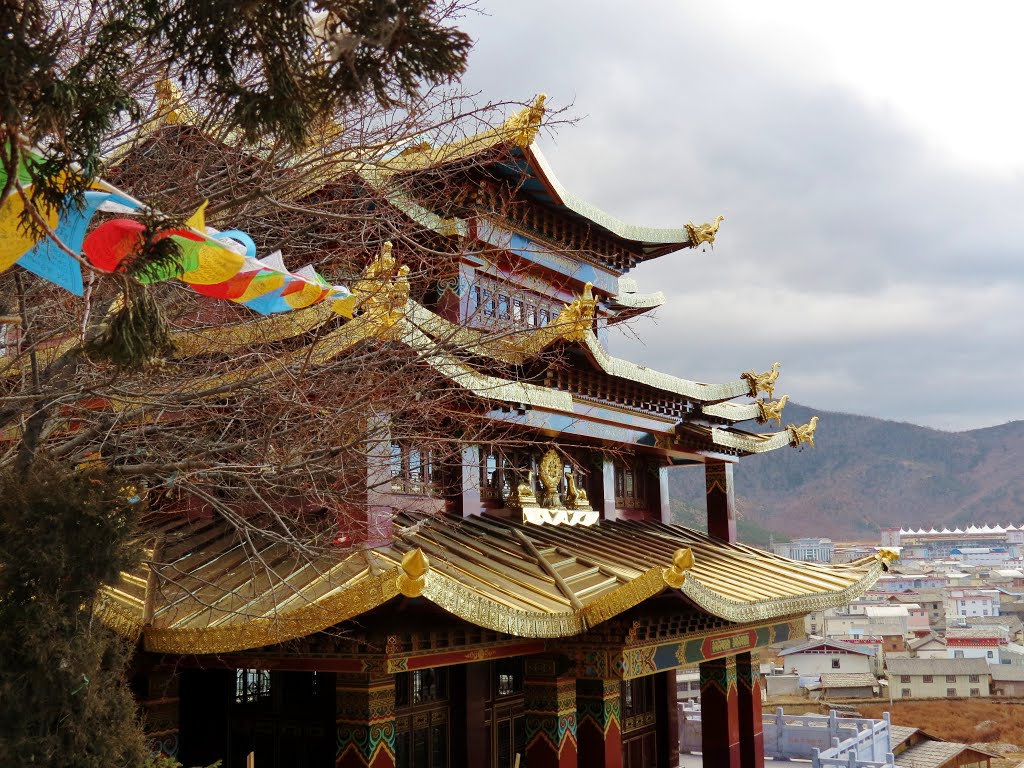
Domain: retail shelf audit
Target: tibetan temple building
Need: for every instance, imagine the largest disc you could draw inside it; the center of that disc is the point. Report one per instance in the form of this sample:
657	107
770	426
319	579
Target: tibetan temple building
530	609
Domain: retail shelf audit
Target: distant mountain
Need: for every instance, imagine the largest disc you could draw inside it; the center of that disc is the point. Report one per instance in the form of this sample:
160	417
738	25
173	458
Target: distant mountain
865	474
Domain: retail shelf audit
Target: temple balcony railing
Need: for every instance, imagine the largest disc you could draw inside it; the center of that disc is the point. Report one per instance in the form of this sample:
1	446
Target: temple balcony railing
827	741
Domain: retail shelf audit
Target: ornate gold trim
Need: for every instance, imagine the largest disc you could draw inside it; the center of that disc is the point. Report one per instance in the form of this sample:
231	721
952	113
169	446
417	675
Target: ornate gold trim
114	616
367	594
773	608
750	443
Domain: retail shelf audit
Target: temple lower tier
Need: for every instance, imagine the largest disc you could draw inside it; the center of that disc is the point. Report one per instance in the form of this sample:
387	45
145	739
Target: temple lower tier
530	712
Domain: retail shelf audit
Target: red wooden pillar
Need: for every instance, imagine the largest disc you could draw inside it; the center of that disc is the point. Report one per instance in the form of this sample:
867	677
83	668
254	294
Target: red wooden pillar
599	723
366	721
719	713
550	702
749	703
721	500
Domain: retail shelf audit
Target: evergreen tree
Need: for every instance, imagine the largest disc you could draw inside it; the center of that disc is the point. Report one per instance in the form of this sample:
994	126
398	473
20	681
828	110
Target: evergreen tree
64	700
274	68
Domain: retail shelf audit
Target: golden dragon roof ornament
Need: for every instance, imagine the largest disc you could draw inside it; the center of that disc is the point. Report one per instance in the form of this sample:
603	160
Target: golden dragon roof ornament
803	433
762	382
771	409
522	127
704	233
577	318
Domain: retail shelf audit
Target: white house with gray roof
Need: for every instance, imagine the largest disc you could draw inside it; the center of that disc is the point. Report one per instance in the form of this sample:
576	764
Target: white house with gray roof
938	678
829	656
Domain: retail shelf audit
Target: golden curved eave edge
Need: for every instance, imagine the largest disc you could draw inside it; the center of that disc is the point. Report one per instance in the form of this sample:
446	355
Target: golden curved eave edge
829	586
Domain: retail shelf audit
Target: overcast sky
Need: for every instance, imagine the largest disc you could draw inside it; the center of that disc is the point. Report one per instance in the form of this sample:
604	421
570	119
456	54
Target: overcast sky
868	158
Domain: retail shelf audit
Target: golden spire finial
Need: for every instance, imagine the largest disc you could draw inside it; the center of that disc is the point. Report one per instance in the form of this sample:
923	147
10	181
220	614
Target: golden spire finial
522	126
413	577
703	233
682	562
169	103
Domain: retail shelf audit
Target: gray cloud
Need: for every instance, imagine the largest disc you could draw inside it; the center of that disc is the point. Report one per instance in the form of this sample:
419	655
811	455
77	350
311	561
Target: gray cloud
888	281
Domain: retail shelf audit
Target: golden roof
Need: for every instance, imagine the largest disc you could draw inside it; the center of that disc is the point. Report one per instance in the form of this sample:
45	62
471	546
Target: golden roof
207	588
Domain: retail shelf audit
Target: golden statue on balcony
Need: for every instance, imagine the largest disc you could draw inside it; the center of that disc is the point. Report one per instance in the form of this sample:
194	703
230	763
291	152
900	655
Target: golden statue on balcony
575	498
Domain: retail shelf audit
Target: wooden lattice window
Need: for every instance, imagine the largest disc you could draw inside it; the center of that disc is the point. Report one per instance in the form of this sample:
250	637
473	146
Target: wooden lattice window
630	486
414	469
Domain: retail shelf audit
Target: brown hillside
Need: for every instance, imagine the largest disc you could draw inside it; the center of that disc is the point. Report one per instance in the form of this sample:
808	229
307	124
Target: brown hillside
866	474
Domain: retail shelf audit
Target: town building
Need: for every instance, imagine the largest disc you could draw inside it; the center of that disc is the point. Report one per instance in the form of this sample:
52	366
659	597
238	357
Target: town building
817	657
933	544
807	549
848	685
928	647
872	620
909	582
976	643
938	678
1008	680
932	603
960	603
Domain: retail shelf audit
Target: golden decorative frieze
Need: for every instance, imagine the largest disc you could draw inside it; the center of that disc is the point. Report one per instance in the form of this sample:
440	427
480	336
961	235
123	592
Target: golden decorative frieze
762	382
803	433
248	632
704	233
682	562
413	577
751	443
542	516
771	409
763	610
